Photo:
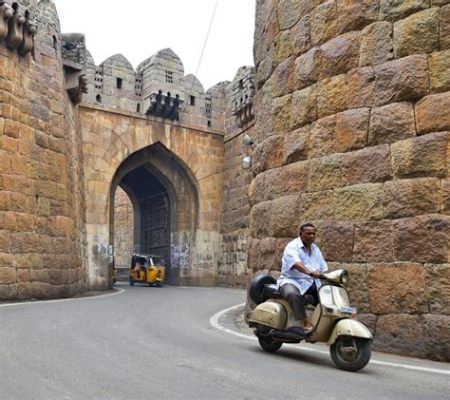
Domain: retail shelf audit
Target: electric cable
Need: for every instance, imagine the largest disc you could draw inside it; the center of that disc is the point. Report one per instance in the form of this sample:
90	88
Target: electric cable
202	52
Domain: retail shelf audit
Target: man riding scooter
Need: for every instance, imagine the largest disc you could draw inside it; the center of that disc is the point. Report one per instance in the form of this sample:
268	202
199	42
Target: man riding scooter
302	266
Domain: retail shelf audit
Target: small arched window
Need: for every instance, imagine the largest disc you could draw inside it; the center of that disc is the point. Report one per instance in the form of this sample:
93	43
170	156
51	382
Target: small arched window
98	98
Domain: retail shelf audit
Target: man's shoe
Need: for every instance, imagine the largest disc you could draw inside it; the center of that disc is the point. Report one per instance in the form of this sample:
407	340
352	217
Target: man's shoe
298	331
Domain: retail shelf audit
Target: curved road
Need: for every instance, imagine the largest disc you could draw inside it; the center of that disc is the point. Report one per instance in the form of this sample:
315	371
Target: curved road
158	343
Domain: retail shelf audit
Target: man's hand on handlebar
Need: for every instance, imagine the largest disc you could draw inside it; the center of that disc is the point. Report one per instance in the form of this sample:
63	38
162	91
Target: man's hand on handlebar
315	274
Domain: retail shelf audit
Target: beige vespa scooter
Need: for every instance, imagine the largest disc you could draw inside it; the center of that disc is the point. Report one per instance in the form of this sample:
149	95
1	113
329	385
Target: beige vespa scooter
332	319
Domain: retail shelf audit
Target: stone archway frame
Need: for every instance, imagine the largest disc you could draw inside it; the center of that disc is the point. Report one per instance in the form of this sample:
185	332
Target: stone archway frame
109	137
182	191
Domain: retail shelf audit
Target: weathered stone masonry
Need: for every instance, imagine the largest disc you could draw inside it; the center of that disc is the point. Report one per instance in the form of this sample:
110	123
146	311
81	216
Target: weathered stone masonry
352	133
41	192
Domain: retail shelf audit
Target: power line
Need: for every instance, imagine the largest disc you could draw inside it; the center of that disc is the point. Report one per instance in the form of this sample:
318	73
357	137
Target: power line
202	52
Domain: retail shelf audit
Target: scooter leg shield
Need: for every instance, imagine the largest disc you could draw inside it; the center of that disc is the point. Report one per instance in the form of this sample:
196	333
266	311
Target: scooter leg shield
349	327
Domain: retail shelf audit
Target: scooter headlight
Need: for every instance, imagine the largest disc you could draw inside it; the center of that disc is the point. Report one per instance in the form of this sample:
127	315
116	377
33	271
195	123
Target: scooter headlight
344	277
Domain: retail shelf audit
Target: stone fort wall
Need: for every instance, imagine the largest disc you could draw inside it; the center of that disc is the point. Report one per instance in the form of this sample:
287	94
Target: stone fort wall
41	194
352	134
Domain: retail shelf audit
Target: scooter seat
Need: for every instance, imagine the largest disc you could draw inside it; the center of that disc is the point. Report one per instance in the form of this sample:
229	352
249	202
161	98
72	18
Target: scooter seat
270	291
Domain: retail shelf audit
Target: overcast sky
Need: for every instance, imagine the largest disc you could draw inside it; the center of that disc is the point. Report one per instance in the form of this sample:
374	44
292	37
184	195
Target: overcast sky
139	28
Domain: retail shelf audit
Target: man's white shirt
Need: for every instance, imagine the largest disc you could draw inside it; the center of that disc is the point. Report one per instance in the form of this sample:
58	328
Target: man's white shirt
295	252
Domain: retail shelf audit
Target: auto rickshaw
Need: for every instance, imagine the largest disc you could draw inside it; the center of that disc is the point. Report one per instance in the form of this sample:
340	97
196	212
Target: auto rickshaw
147	268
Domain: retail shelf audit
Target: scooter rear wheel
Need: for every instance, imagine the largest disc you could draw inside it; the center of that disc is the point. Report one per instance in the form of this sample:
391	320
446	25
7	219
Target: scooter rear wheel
350	353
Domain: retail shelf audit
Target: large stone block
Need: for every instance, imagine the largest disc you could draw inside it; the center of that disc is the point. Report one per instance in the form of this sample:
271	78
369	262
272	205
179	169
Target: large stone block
445	197
440	71
336	240
265	68
409	234
284	216
325	173
438	288
444	28
323	22
286	82
265	254
419	33
395	289
301	40
377	45
351	129
296	145
421	156
368	165
432	113
294	177
409	197
438	332
304	107
322	138
8	275
391	123
373	242
401	334
316	206
266	28
396	9
268	154
355	14
288	13
359	202
260	214
283	44
307	67
331	96
403	79
282	114
5	241
360	87
8	292
339	55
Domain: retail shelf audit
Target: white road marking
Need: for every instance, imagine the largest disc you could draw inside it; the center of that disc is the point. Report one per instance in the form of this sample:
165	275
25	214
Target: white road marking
22	303
214	321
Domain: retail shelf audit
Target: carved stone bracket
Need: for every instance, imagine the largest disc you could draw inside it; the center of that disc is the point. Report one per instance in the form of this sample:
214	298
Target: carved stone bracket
73	51
164	106
242	99
6	12
17	28
29	31
244	112
76	84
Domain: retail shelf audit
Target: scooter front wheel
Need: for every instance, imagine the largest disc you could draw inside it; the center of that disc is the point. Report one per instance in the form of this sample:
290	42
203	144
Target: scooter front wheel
268	344
350	353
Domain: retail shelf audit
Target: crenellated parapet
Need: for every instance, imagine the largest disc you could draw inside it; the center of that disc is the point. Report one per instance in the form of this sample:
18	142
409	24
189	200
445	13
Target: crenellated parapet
73	51
242	93
17	27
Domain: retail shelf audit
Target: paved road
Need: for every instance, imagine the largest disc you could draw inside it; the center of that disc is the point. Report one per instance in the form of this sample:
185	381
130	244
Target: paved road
158	343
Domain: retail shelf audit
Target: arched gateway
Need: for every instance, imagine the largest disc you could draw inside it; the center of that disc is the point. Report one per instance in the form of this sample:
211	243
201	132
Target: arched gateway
164	195
172	175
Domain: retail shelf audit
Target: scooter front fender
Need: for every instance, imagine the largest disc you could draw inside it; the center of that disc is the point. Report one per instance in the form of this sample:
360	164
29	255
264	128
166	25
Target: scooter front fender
349	327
